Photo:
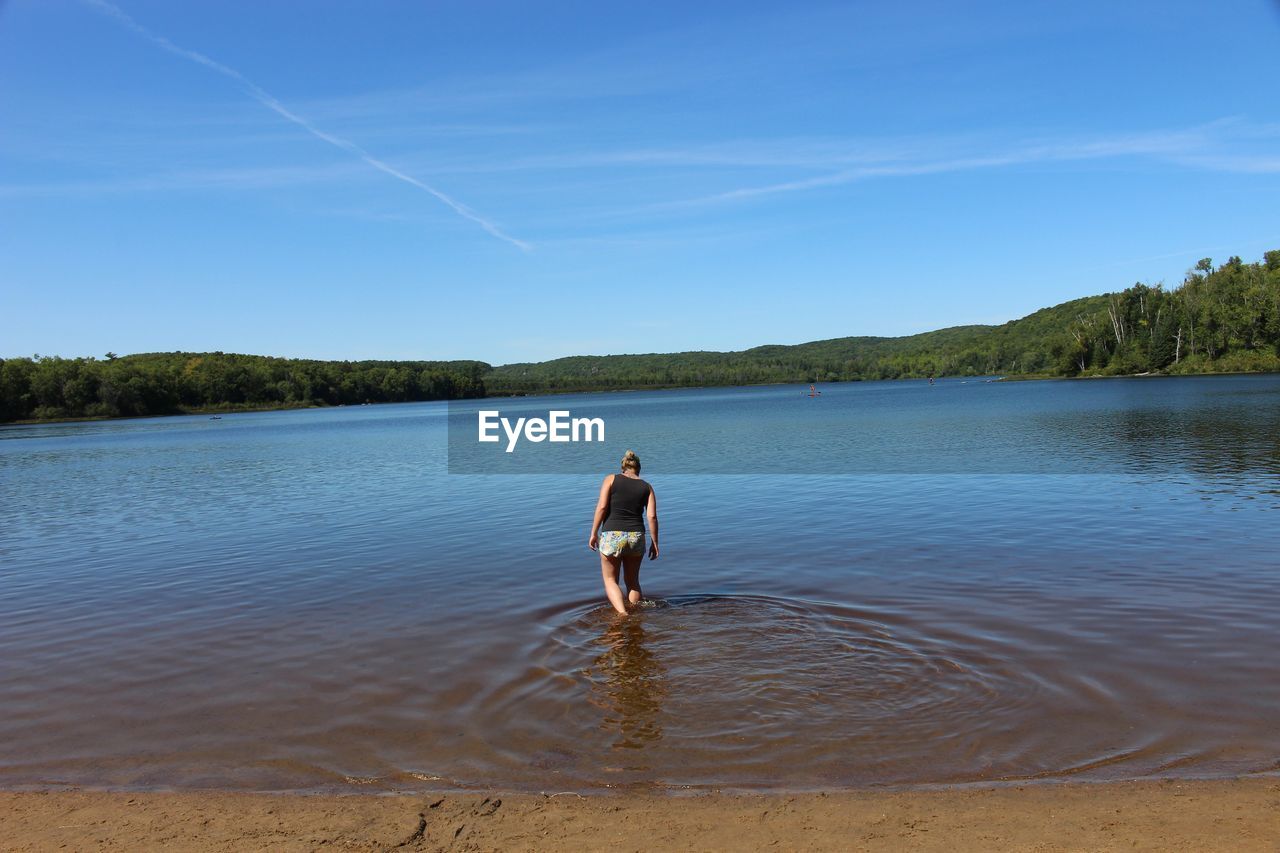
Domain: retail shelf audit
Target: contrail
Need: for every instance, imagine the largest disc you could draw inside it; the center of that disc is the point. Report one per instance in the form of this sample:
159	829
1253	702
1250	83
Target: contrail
265	98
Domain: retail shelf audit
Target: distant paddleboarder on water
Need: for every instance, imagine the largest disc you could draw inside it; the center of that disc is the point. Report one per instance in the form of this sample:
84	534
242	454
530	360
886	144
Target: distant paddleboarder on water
617	531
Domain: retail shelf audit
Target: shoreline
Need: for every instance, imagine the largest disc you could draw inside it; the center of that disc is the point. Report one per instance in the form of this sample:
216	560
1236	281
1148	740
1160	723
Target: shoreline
1226	814
1013	377
182	414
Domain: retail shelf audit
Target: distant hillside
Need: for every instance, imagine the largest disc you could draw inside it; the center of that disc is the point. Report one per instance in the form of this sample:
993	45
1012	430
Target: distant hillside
1221	319
1018	346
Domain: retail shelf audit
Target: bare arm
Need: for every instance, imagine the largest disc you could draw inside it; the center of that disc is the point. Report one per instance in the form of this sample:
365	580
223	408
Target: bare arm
602	509
653	525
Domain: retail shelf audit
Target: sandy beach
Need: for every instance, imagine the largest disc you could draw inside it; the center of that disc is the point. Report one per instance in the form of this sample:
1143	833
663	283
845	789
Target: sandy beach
1237	815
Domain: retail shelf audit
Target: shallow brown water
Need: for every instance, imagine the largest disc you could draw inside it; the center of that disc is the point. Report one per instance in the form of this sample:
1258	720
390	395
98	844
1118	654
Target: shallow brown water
308	601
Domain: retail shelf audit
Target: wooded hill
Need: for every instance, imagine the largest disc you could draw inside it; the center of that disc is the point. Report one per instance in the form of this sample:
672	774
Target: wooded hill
1222	319
1219	319
957	351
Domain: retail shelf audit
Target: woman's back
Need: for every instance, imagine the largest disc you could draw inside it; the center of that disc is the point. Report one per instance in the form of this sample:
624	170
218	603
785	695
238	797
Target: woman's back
628	499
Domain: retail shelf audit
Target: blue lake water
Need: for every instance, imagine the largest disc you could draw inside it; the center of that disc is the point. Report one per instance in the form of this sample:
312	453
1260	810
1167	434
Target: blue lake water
890	584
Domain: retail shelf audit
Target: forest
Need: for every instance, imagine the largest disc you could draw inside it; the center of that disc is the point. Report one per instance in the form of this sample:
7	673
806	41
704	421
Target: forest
1223	318
51	388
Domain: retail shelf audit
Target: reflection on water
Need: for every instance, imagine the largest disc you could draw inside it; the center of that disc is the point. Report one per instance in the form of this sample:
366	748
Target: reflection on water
628	684
1234	441
1213	426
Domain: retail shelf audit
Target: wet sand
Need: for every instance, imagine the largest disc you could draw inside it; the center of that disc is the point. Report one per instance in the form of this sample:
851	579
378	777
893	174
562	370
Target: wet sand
1238	815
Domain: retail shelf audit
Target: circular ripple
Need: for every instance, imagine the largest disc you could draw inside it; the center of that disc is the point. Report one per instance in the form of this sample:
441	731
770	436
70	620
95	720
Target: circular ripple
750	690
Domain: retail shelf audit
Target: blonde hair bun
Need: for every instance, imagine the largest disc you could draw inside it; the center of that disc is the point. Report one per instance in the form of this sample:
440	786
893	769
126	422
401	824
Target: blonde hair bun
630	460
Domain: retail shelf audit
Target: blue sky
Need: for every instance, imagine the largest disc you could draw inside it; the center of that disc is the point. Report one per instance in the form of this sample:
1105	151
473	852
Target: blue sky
516	182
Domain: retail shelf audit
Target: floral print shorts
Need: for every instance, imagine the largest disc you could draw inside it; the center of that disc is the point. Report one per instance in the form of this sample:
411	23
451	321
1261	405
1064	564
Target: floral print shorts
621	543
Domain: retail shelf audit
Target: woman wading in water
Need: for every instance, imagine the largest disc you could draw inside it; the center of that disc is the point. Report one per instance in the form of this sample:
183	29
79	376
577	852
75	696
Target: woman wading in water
617	531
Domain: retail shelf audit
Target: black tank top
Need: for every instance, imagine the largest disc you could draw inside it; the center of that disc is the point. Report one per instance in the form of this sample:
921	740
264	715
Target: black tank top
628	500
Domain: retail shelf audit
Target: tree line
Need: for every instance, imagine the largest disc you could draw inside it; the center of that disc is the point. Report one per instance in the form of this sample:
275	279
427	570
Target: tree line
1220	318
50	388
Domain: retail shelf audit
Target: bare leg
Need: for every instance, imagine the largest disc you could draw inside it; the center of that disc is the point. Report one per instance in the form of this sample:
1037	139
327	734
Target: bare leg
609	570
631	573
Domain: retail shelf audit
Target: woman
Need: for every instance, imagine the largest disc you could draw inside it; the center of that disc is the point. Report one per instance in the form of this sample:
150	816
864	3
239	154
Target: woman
618	531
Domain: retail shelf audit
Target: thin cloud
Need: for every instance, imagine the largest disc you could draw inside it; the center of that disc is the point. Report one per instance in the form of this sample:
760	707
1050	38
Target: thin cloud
270	102
1182	146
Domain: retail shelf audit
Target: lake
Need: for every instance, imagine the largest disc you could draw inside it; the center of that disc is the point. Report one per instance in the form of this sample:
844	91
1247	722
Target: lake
890	584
